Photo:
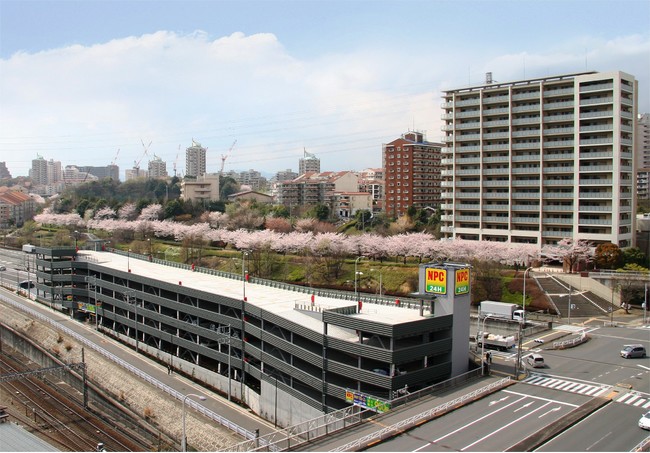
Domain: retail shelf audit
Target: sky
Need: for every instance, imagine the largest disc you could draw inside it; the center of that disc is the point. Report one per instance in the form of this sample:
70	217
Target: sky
93	82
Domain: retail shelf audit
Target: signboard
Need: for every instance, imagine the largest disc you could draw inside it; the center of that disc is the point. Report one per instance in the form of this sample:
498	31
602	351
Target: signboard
435	280
82	306
366	401
462	281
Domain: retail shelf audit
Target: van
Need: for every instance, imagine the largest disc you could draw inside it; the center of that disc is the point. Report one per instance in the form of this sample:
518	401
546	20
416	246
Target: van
535	360
631	351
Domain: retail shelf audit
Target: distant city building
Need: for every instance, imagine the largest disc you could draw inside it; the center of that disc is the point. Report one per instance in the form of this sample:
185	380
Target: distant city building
349	203
157	168
308	164
15	207
109	171
135	173
251	195
45	172
203	188
311	189
72	176
4	172
412	174
642	153
252	178
195	160
371	181
541	160
286	175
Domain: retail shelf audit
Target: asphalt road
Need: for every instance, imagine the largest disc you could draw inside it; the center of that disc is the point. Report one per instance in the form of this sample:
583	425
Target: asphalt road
495	423
611	428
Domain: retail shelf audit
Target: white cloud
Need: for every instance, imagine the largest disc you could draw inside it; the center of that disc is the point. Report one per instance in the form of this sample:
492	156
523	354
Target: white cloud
79	104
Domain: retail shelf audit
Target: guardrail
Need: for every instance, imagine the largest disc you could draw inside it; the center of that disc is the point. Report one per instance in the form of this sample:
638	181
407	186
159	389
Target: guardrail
410	422
644	445
127	366
571	342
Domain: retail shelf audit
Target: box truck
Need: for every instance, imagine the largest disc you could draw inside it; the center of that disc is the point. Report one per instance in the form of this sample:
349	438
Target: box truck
500	310
28	248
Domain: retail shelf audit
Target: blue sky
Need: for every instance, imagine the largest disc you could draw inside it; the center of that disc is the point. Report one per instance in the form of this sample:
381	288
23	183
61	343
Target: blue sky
81	79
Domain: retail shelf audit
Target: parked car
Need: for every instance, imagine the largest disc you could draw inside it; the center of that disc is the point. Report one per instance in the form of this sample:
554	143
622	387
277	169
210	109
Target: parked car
644	421
631	351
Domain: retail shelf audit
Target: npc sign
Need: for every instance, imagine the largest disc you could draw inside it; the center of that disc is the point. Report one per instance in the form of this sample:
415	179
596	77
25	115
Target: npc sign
462	281
435	281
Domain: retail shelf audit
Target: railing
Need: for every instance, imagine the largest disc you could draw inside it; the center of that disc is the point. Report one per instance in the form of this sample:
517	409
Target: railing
127	366
405	302
410	422
571	343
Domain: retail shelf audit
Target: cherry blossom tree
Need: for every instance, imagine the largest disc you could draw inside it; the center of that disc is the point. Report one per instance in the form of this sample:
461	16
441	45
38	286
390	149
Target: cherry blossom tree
128	212
105	213
570	252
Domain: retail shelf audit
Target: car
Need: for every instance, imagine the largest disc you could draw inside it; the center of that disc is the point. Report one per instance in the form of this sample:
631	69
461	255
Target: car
644	421
631	351
535	360
3	268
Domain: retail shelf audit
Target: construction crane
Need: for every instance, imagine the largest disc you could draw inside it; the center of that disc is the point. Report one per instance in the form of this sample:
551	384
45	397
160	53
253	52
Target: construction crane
176	160
115	158
225	156
136	164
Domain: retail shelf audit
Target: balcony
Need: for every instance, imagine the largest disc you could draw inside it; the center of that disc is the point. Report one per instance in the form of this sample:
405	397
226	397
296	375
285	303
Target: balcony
463	126
558	156
526	145
597	127
499	111
596	87
496	99
556	221
559	131
524	182
604	222
600	114
598	208
558	182
558	92
498	147
557	208
520	96
526	158
555	170
594	101
595	168
597	141
595	182
556	118
524	121
525	133
496	159
559	143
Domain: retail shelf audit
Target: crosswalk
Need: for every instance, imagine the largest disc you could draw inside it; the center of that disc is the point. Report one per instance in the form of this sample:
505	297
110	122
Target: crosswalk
567	385
635	399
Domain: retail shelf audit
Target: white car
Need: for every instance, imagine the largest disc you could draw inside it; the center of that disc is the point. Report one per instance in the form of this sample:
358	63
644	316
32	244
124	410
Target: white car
644	421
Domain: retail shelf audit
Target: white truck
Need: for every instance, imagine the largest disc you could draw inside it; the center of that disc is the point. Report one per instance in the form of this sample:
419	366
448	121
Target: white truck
28	248
500	310
493	341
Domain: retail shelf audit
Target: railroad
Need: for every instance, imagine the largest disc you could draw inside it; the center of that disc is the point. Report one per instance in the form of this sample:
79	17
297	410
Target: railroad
55	412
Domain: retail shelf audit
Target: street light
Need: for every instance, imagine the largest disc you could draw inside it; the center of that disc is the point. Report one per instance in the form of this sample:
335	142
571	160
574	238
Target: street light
483	345
356	261
243	271
128	260
523	304
184	439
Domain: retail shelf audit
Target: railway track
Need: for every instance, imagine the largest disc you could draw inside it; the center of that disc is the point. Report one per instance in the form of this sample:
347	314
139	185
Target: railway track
57	414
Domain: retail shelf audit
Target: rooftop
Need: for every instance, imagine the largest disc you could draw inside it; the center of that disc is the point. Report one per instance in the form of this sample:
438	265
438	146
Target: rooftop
292	305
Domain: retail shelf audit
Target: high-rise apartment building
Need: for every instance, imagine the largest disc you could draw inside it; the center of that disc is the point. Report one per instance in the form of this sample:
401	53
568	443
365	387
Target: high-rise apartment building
412	174
642	153
540	160
308	164
195	163
157	168
44	172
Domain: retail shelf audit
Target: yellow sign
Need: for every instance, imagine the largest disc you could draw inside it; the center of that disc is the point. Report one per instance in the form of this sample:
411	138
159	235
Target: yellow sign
435	281
462	281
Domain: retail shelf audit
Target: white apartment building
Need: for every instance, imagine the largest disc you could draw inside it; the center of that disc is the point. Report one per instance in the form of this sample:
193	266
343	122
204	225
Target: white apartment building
157	168
642	154
195	160
539	160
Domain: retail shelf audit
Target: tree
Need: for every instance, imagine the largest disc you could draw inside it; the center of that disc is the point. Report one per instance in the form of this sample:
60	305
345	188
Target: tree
570	252
633	255
607	256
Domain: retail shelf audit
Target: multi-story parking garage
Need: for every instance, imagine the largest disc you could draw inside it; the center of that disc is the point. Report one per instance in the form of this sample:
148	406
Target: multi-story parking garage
288	352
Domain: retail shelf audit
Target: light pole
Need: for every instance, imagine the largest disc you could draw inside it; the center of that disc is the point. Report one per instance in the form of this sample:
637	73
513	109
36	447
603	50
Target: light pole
356	262
243	271
184	439
523	303
483	345
645	303
570	291
128	260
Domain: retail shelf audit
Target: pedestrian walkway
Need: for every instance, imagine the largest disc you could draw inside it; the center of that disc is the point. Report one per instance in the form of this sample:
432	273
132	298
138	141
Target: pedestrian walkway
635	399
567	385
